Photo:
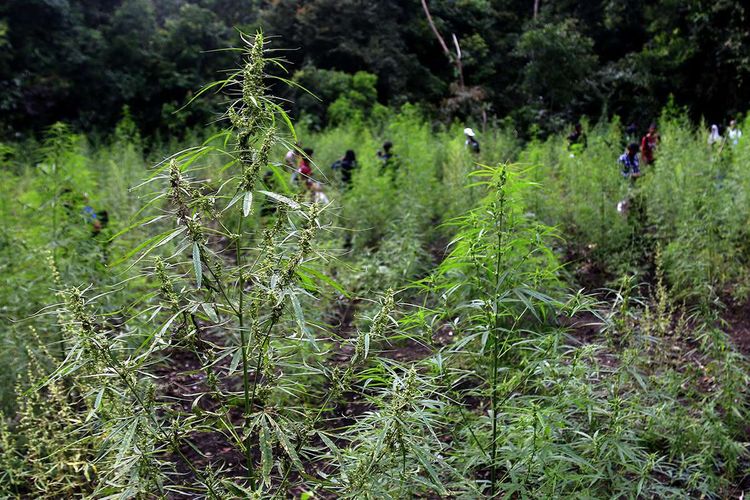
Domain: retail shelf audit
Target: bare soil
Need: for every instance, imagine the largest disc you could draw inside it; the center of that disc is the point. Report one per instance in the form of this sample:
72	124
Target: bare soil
736	321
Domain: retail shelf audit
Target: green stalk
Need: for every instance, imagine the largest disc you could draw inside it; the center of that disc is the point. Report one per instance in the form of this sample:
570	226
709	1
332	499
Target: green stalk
259	363
499	216
493	452
243	347
54	241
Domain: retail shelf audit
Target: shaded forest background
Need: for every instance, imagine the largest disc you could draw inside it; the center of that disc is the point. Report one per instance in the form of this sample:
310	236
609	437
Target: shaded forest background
85	62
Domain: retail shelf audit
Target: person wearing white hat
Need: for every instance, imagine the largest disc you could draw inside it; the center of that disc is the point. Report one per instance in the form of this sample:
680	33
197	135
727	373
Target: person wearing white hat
714	137
471	140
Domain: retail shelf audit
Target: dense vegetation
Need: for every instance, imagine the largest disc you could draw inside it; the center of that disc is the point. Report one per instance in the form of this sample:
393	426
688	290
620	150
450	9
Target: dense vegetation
449	325
537	61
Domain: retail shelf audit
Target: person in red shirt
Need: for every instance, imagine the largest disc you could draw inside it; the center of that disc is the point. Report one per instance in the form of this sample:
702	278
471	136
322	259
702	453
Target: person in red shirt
649	144
304	172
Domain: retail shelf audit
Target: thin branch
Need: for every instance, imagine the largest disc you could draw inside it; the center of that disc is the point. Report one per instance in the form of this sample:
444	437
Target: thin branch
435	30
456	60
459	65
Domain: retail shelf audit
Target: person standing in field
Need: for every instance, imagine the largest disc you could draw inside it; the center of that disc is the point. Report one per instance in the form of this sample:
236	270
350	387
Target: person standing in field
629	162
317	194
631	134
631	130
388	159
471	141
733	133
346	164
290	159
714	137
649	143
385	154
577	138
304	172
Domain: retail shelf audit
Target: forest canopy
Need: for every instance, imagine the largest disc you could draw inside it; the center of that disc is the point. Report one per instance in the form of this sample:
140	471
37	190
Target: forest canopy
544	63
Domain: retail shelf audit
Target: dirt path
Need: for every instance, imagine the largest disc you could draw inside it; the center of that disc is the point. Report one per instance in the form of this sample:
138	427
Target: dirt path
737	325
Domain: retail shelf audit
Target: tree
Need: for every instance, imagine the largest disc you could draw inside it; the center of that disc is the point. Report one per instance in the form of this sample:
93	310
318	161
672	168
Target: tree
558	76
334	96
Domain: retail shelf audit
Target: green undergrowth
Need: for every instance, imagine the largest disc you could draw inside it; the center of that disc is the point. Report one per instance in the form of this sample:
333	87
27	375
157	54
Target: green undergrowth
421	335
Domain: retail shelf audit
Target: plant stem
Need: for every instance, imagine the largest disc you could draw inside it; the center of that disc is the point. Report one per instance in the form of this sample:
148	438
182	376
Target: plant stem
259	363
499	226
243	347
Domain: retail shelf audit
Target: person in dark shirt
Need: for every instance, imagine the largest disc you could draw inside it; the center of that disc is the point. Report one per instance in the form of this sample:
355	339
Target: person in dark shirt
385	154
471	140
631	130
631	135
649	143
389	161
346	164
577	138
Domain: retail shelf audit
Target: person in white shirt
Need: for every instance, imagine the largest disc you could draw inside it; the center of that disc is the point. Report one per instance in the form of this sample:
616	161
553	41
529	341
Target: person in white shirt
714	137
733	133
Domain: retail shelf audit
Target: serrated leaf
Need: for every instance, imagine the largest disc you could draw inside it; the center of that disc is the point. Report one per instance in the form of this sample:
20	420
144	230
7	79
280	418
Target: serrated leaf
97	403
236	357
247	203
305	270
234	200
425	461
282	199
300	317
288	448
197	264
332	446
210	312
141	246
266	452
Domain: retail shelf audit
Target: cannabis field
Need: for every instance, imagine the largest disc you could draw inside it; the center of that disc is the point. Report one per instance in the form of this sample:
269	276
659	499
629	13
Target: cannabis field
457	325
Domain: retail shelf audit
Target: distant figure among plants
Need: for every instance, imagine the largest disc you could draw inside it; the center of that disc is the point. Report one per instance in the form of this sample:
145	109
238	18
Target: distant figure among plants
291	158
305	178
629	162
734	134
388	159
346	164
77	207
714	137
304	172
577	138
471	141
630	135
631	131
385	155
317	194
98	220
649	144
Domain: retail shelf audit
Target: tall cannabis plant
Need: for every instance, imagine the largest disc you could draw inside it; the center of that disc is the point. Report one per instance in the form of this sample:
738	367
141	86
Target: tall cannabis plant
501	279
220	311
